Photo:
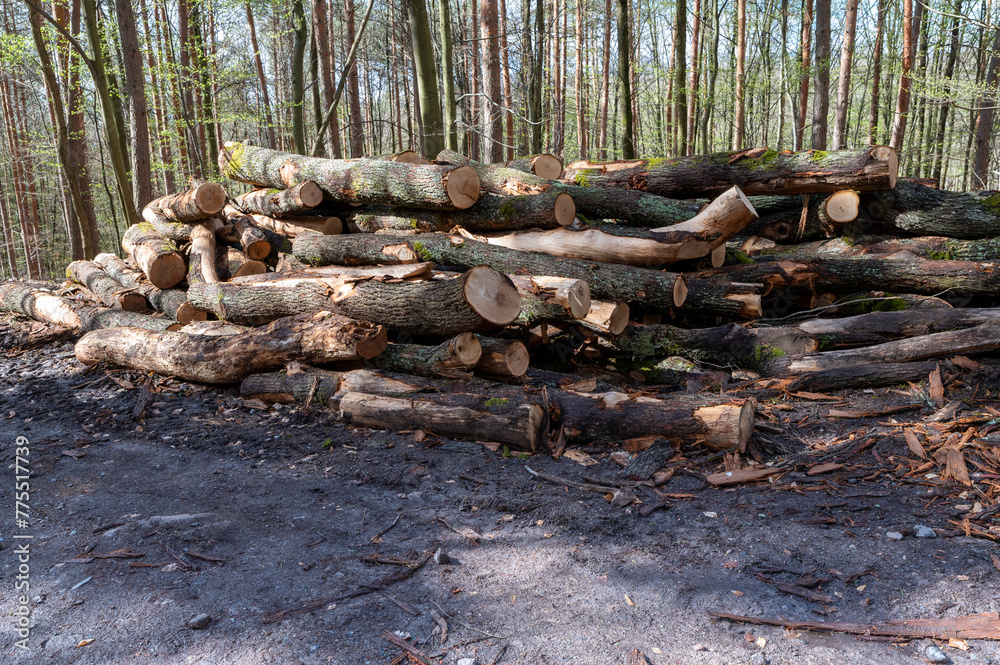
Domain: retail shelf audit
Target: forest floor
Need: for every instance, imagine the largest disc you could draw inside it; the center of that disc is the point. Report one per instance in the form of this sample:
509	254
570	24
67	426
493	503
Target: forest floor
272	521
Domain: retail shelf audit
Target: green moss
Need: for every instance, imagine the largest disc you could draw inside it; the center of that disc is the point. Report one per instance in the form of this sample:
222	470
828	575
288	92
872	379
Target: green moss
508	209
946	255
422	251
764	354
496	402
741	257
655	162
819	155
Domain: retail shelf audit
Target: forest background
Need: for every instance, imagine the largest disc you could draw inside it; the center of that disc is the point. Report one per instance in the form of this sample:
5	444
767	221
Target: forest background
108	104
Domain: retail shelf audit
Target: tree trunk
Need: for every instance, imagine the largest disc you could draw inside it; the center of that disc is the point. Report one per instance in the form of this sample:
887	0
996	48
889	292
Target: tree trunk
355	181
356	137
293	225
448	77
741	55
844	80
984	120
452	358
261	79
903	98
156	256
807	11
545	165
757	171
821	86
655	288
605	83
194	205
625	81
481	299
423	60
876	65
692	109
319	338
680	75
303	197
949	72
610	244
39	301
300	34
490	213
138	112
492	90
503	358
201	256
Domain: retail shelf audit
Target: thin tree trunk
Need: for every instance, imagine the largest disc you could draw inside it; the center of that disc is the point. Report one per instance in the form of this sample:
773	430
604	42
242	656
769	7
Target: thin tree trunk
138	110
448	77
508	99
261	79
357	140
984	120
807	7
426	75
741	54
949	72
493	97
844	82
535	108
903	98
605	83
624	81
876	74
300	33
692	109
821	86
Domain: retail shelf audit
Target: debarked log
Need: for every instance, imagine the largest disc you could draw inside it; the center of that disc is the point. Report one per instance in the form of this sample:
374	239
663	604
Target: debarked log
310	338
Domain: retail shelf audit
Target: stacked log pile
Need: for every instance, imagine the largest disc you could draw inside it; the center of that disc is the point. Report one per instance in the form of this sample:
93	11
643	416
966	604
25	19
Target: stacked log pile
500	303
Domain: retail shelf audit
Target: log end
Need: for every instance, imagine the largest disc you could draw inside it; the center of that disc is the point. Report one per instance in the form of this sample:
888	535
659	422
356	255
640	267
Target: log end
537	426
746	202
680	291
750	304
259	249
463	187
167	270
492	295
466	349
718	256
187	313
133	302
508	359
251	267
889	155
565	209
608	315
372	344
579	299
310	194
691	248
842	206
333	226
409	157
210	197
547	166
728	426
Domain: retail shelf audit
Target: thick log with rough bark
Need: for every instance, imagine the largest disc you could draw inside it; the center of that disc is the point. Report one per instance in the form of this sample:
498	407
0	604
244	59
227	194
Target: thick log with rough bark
290	386
490	213
729	345
156	256
930	247
294	225
855	376
196	204
654	288
551	298
108	290
201	256
638	208
714	295
40	301
927	211
371	181
172	302
231	263
451	358
519	424
478	300
253	240
755	171
404	156
895	272
544	165
310	338
278	202
615	416
404	271
503	358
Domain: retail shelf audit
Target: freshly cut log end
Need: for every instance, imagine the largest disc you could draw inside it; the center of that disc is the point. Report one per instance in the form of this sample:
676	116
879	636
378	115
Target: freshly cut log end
210	197
891	157
547	166
728	425
680	291
718	256
492	295
467	349
188	313
842	207
608	315
155	255
503	358
565	209
578	297
453	358
310	194
463	187
333	226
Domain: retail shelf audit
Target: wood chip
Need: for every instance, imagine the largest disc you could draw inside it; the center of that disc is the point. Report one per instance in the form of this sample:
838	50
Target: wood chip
824	468
913	443
956	469
741	476
937	388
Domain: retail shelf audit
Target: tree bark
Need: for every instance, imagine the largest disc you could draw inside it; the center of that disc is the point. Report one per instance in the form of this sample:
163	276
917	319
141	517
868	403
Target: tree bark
355	181
447	77
301	198
654	288
319	338
300	34
492	91
807	15
480	299
423	61
194	205
821	87
40	302
844	80
756	171
107	289
680	75
261	79
903	98
873	125
138	110
156	256
984	120
625	81
925	210
452	358
503	358
741	55
201	256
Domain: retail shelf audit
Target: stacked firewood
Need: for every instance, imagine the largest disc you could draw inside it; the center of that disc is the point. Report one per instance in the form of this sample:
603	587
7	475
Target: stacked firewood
445	295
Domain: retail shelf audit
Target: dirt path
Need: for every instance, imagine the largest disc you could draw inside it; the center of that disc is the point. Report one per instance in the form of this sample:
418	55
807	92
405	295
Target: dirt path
241	514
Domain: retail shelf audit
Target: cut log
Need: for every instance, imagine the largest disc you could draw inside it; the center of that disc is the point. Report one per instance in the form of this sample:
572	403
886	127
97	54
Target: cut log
287	386
201	256
863	376
40	301
253	240
755	171
108	290
653	288
815	217
277	202
709	294
156	256
311	338
478	300
213	328
503	358
490	213
922	210
179	231
545	165
172	302
371	181
451	358
720	424
610	316
639	208
551	298
930	247
231	263
196	204
519	425
608	244
294	225
406	271
893	272
719	221
840	207
404	156
729	345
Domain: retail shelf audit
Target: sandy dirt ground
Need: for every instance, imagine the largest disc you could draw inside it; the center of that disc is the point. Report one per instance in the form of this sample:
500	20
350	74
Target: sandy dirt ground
154	501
